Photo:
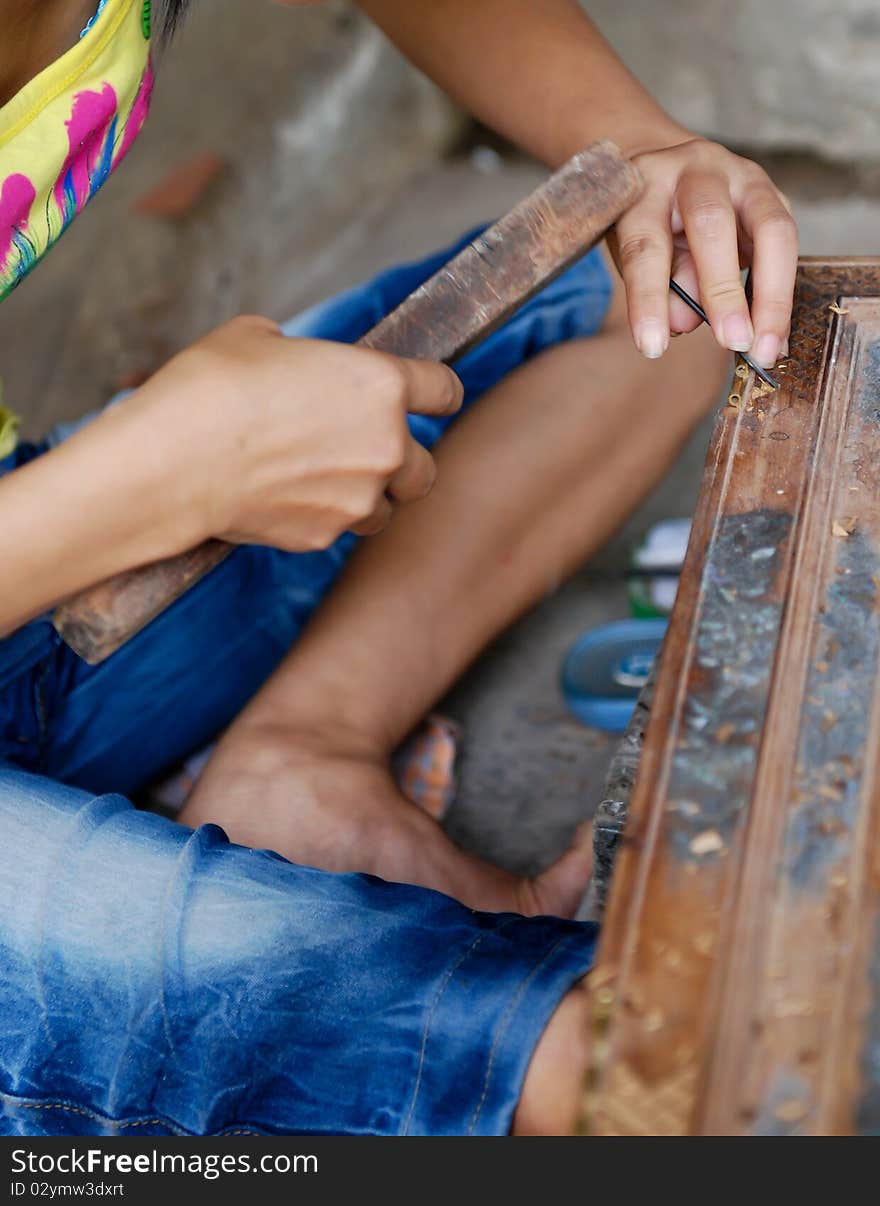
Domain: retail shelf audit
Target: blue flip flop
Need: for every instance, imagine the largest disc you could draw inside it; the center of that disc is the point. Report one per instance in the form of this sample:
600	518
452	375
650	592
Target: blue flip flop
606	668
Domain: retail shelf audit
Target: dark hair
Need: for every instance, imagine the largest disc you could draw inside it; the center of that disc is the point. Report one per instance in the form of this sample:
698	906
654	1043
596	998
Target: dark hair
172	14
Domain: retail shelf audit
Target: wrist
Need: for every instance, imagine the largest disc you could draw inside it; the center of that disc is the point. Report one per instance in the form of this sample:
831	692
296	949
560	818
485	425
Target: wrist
162	511
635	135
641	139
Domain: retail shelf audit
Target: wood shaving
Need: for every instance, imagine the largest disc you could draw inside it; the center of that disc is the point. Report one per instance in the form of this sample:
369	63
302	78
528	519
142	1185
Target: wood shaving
708	842
792	1110
793	1009
835	309
654	1020
832	827
845	526
830	793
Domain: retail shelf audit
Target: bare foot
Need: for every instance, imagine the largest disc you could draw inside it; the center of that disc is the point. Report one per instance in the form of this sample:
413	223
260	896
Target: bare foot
342	811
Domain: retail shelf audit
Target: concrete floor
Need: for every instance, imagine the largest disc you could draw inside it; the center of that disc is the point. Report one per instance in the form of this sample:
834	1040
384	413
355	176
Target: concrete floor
529	772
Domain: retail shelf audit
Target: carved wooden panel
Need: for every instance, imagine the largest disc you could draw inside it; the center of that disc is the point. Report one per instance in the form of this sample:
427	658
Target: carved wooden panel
738	983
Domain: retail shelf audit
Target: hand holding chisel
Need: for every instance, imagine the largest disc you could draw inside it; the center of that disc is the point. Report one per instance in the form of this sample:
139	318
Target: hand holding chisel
462	304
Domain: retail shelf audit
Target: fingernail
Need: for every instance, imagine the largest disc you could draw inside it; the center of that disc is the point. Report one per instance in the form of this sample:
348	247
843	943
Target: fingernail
766	350
651	339
783	351
737	332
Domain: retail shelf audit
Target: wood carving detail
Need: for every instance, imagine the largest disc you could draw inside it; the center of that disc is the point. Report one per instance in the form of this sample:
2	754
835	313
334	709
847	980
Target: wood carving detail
740	948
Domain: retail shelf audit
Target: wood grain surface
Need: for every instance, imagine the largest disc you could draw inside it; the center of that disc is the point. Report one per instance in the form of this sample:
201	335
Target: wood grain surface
737	989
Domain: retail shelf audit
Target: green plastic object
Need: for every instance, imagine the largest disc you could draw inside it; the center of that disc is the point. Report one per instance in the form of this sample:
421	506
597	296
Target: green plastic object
664	546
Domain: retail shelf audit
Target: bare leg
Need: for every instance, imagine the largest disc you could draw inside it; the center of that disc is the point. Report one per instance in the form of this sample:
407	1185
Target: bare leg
531	481
550	1101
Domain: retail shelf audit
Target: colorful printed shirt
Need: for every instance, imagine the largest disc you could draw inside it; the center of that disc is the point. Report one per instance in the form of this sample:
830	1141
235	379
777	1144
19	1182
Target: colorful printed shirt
64	133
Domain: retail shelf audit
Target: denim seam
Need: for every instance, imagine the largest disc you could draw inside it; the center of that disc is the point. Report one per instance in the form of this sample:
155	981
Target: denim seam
37	673
118	1123
431	1012
503	1027
41	705
182	865
64	1107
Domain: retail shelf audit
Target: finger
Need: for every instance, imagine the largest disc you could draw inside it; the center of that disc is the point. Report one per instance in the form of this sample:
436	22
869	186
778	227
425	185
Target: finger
431	388
709	220
644	252
774	236
377	522
416	476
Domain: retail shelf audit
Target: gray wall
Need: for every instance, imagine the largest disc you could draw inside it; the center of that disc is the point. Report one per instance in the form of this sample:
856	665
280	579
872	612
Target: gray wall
766	74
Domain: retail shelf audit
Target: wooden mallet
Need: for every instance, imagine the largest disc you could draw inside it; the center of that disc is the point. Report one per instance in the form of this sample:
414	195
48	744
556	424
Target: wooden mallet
451	312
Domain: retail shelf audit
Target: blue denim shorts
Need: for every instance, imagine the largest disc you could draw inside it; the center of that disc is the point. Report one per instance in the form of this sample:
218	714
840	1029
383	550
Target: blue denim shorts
155	980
